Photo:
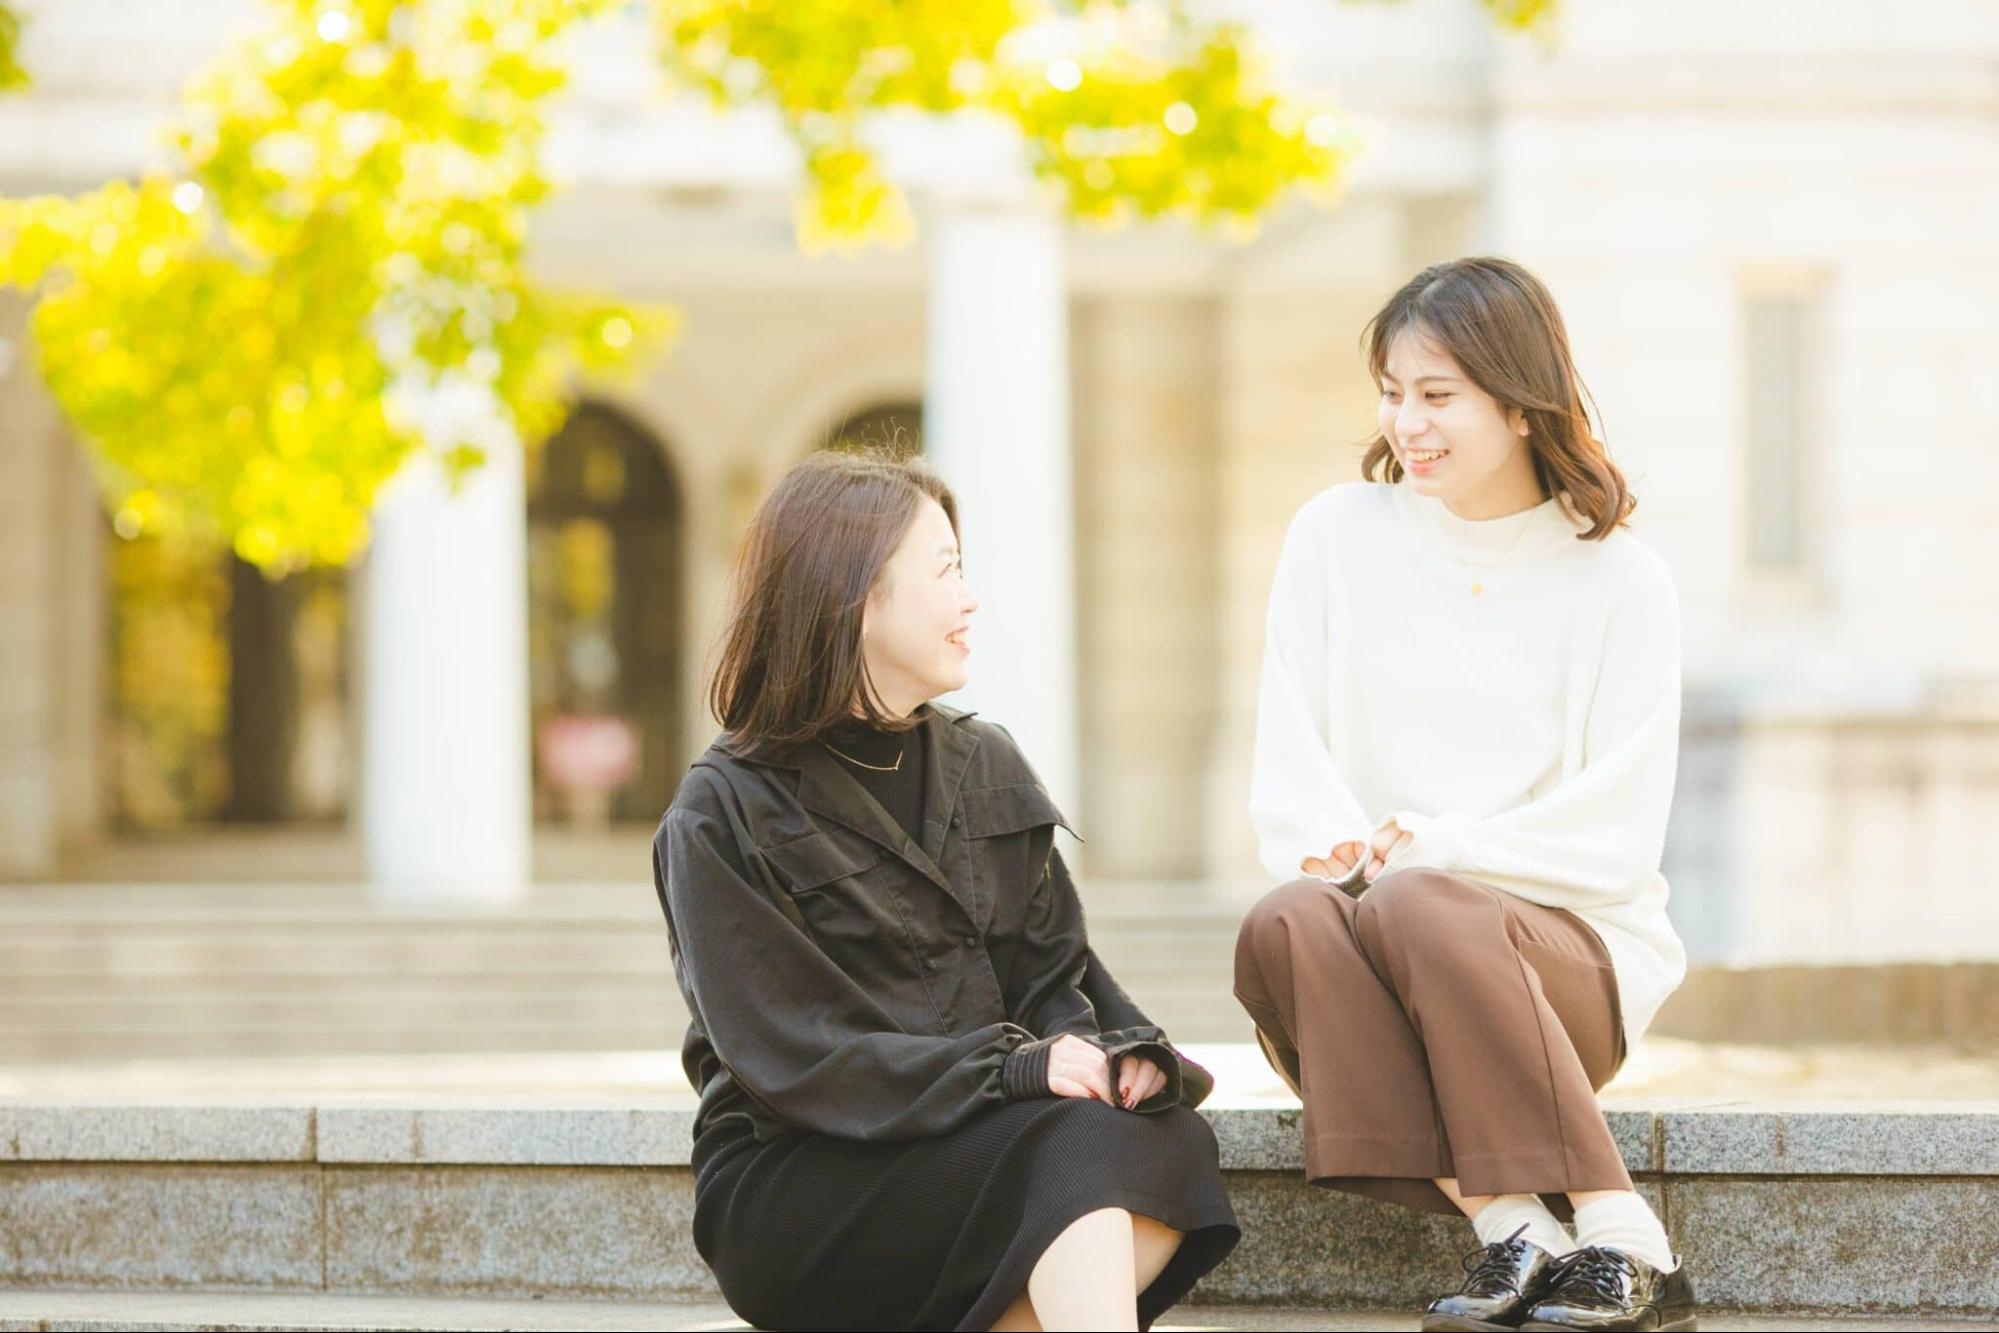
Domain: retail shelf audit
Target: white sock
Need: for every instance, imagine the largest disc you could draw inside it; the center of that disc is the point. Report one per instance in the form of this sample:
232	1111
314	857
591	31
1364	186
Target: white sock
1508	1213
1626	1222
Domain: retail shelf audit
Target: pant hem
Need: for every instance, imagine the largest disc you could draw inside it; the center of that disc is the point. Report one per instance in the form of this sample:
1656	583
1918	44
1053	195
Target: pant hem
1533	1173
1373	1155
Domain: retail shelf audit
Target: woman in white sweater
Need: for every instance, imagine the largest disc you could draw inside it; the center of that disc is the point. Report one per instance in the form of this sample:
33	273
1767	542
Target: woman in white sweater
1465	751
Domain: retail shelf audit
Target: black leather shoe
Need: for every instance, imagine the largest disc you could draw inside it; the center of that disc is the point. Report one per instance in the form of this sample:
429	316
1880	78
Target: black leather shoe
1505	1282
1601	1288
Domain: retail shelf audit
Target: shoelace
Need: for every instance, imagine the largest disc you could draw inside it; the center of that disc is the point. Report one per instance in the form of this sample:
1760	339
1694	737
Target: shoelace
1594	1271
1494	1268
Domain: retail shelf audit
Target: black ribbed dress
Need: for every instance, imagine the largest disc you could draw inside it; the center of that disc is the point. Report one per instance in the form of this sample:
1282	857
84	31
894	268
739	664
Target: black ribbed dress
809	1231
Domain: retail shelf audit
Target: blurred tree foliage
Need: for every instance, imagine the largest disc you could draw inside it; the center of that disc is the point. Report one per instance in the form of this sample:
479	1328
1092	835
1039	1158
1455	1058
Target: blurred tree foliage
330	280
331	277
1127	107
11	73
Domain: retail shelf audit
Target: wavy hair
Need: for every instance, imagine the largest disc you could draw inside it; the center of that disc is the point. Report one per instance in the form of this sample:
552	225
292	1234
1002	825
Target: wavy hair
1501	326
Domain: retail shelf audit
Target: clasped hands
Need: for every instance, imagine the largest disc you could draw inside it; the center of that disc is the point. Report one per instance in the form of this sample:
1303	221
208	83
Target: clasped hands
1389	839
1078	1069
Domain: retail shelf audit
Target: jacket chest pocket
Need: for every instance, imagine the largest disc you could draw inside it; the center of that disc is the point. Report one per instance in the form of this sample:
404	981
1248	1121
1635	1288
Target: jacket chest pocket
1011	831
841	890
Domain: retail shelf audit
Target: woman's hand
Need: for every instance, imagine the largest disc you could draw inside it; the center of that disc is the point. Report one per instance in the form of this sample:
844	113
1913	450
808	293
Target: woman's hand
1388	840
1078	1069
1337	864
1137	1079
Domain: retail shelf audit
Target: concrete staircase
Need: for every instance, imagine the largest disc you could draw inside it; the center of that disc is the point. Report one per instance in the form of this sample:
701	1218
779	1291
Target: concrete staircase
105	972
162	971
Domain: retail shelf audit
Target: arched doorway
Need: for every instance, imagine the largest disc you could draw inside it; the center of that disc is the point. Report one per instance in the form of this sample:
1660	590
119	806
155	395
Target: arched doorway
604	622
896	426
226	691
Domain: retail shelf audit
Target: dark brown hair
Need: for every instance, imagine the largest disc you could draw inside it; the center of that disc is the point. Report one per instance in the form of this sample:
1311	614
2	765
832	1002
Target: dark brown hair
790	666
1501	326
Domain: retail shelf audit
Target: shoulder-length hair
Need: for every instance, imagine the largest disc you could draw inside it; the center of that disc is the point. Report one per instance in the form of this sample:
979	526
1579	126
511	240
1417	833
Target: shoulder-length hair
790	667
1501	325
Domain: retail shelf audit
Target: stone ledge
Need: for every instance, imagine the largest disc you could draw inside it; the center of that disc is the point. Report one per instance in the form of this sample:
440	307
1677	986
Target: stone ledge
1833	1208
1730	1138
1266	1138
565	1136
141	1132
1883	1140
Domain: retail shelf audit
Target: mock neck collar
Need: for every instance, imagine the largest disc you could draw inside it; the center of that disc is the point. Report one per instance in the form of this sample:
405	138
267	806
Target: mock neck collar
1529	533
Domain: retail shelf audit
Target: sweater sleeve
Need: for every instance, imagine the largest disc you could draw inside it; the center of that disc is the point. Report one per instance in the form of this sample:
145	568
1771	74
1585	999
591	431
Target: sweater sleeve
1597	838
1300	803
1059	986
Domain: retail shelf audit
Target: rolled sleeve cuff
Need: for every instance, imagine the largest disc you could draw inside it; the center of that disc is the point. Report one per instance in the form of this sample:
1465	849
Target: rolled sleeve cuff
1187	1083
1025	1071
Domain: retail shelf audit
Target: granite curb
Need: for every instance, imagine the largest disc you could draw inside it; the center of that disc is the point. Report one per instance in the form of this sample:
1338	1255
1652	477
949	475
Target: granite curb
1726	1138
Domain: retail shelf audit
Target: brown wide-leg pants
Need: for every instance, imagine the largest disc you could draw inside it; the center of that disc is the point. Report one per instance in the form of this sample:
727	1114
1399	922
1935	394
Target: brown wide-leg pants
1437	1027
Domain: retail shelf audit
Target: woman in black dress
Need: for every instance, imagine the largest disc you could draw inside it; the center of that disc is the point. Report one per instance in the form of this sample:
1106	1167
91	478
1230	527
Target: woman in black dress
924	1103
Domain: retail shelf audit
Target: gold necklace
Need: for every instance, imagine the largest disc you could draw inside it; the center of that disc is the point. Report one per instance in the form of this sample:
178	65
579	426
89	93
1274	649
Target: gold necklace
879	768
1478	584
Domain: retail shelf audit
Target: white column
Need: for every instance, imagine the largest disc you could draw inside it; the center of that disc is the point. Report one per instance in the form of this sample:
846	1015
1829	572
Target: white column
996	425
446	804
30	549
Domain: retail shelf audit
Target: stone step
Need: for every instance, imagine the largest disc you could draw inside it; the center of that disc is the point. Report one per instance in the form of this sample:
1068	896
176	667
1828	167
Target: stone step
103	973
231	1311
272	897
443	999
1207	1022
26	962
1843	1209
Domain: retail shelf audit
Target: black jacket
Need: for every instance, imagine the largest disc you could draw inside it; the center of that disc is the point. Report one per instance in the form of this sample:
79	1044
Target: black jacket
843	979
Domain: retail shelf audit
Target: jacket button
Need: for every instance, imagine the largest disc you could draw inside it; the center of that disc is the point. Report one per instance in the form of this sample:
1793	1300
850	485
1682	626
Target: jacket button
971	941
929	966
955	821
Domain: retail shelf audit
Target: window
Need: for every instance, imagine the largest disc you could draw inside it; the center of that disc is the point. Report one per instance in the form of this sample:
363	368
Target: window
227	691
1779	341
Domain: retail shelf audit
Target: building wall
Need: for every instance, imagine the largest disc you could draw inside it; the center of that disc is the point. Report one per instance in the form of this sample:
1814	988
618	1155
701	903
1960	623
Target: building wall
1662	167
1877	839
754	383
1144	377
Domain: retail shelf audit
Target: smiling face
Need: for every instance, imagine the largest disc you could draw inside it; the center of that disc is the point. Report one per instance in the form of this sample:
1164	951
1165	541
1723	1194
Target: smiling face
914	625
1455	441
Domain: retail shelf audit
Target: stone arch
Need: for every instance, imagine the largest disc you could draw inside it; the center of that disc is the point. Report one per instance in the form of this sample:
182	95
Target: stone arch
607	630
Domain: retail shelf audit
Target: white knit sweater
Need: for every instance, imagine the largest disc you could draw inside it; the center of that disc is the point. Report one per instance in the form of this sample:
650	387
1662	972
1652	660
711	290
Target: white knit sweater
1526	735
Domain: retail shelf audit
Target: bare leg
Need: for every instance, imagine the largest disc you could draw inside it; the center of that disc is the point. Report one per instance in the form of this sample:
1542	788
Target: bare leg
1086	1278
1470	1205
1154	1245
1018	1317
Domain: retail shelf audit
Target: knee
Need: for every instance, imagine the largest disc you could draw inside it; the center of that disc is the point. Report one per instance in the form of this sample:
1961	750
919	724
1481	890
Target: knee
1267	928
1410	904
